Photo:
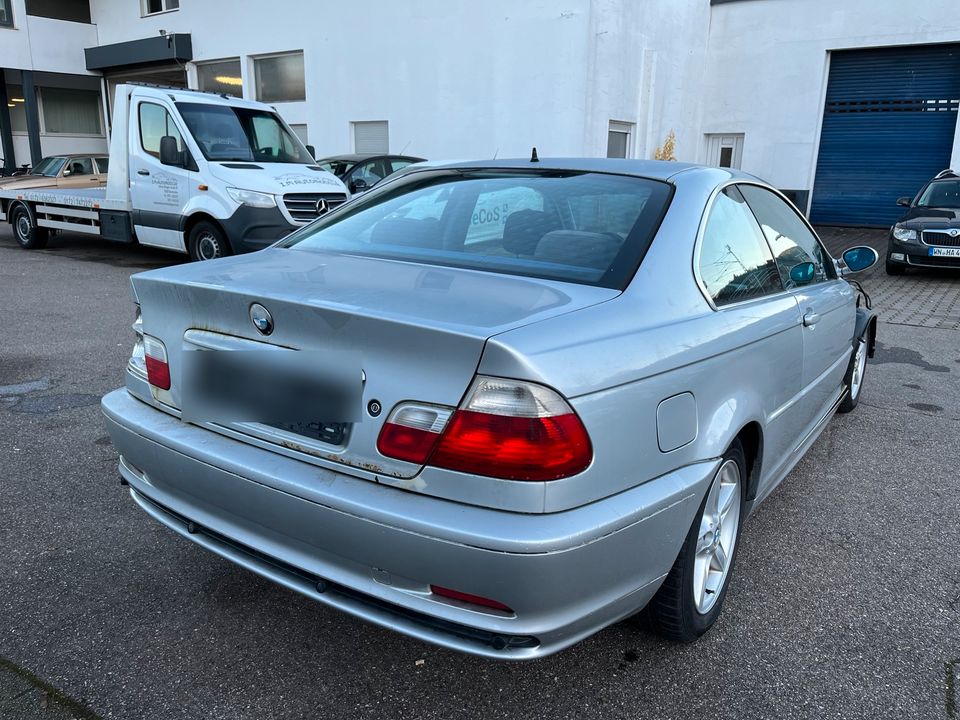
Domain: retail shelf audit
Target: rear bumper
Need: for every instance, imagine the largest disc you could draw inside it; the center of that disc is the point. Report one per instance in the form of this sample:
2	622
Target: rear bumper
377	548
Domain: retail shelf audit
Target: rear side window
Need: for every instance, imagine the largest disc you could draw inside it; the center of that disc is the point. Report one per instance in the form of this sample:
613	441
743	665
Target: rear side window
579	227
789	237
103	164
734	262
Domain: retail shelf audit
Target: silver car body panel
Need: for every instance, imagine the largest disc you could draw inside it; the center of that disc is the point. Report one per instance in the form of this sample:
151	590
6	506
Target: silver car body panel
354	517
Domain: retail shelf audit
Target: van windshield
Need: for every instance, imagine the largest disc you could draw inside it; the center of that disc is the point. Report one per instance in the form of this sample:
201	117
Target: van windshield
582	227
227	133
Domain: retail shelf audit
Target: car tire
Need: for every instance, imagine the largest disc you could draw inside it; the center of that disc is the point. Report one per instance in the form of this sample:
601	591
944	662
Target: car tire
25	230
854	377
207	242
894	268
691	598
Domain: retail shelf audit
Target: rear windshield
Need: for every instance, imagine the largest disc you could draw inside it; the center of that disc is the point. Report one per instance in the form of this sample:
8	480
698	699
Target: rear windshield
587	228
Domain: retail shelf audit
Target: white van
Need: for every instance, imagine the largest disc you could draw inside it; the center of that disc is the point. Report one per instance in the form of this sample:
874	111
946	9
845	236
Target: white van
191	171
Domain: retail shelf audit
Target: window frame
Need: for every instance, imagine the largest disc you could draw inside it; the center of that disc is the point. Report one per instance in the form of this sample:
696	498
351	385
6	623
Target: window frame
145	8
695	265
8	24
221	61
270	56
41	112
623	128
173	121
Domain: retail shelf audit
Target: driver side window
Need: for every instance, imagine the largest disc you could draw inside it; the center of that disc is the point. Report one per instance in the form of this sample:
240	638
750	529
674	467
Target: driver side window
155	123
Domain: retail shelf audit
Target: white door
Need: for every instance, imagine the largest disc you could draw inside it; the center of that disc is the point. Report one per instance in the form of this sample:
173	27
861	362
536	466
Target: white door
725	150
158	192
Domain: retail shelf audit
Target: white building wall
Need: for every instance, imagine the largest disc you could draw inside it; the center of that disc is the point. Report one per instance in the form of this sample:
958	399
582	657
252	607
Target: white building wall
766	70
496	77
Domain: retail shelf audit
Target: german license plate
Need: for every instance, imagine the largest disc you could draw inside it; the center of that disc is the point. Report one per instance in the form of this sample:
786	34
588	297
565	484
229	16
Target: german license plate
944	252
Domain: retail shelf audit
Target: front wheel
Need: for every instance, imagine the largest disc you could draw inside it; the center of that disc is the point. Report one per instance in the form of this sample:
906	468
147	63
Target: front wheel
207	242
25	230
854	377
690	599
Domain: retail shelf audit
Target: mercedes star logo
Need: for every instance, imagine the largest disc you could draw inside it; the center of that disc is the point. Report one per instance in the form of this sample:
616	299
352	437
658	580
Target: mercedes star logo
261	319
322	206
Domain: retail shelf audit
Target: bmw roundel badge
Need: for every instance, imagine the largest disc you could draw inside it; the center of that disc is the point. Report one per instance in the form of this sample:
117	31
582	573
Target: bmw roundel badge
261	319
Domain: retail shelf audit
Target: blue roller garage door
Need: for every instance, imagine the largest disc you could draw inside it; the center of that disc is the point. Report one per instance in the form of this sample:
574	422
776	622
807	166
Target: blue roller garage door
888	127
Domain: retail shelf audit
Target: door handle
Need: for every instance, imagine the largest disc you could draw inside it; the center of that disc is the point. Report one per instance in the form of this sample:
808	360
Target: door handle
810	318
143	172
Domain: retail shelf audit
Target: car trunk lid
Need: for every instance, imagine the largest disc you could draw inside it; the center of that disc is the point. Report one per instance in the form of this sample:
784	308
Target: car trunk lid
418	332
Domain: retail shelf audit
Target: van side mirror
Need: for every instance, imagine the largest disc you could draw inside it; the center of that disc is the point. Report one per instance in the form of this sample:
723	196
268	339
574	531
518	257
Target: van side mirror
169	152
859	258
905	201
313	151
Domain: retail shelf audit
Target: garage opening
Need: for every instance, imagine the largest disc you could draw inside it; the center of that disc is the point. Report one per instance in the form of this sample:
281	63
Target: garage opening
888	127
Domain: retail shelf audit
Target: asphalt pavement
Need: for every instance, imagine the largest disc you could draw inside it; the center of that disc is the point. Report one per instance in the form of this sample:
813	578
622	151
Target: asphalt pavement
845	602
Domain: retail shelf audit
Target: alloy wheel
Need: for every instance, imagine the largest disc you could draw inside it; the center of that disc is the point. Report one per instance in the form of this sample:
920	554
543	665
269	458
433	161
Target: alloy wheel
717	537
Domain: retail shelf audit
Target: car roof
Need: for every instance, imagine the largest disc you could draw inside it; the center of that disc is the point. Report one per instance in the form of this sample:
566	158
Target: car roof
357	157
651	169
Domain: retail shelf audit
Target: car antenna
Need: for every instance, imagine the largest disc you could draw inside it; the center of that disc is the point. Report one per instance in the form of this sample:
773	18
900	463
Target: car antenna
533	156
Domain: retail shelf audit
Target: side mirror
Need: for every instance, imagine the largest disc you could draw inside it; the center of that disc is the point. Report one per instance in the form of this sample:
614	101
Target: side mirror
358	186
169	153
66	173
313	151
803	273
859	258
905	201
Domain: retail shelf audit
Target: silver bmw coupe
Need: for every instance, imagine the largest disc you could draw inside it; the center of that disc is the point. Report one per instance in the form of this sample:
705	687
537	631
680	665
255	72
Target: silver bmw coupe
497	406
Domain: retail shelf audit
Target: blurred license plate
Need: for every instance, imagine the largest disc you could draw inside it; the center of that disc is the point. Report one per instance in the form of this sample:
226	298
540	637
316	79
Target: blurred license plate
944	252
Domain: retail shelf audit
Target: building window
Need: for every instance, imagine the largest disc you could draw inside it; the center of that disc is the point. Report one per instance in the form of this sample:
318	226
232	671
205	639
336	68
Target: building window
280	78
15	104
301	132
6	13
70	112
222	76
371	137
152	7
725	150
72	10
619	136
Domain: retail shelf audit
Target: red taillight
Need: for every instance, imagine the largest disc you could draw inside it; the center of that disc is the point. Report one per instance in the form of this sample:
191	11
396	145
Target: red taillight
411	431
514	448
468	598
504	428
155	356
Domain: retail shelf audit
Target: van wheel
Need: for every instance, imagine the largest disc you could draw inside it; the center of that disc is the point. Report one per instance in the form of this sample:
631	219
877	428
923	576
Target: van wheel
207	242
690	599
854	377
25	230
